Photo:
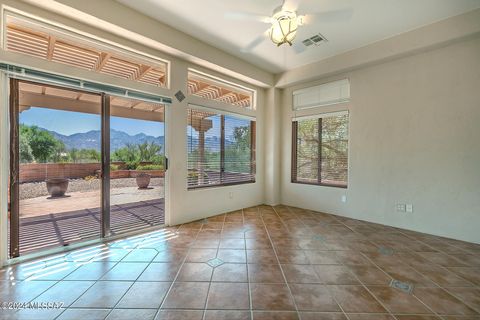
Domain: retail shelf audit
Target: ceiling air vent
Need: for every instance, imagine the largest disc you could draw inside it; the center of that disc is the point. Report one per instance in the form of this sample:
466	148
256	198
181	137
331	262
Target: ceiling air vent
315	40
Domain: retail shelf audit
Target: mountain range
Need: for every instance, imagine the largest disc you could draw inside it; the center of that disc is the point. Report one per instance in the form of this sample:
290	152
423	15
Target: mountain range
119	139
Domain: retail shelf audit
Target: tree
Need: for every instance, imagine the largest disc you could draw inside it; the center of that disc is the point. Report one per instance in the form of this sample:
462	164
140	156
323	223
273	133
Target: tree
44	146
133	154
26	155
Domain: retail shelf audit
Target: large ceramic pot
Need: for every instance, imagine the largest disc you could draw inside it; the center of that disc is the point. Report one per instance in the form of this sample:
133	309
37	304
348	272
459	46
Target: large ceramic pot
143	180
57	186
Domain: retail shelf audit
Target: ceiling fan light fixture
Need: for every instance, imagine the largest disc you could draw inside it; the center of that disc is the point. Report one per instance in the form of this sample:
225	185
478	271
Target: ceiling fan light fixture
284	27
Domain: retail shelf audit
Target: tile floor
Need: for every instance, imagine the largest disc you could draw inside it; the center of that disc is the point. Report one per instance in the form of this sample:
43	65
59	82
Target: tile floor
258	263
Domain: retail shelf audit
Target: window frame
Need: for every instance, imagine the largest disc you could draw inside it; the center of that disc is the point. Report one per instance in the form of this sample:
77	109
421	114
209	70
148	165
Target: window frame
253	136
294	155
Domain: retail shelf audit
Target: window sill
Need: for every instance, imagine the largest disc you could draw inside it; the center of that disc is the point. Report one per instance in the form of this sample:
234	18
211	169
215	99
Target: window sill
321	184
219	185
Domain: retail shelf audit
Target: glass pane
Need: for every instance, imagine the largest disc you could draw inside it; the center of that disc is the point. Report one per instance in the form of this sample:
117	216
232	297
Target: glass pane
137	155
238	150
204	148
335	150
60	166
307	151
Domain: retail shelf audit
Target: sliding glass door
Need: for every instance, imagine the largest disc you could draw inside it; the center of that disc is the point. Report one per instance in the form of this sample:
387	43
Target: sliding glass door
137	163
83	165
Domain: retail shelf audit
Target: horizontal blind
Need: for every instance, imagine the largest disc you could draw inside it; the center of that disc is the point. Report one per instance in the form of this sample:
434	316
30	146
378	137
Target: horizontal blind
320	150
324	94
334	170
220	149
308	142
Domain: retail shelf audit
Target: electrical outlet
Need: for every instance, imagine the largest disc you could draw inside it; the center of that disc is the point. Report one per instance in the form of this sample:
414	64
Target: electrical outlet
409	208
344	199
230	195
401	207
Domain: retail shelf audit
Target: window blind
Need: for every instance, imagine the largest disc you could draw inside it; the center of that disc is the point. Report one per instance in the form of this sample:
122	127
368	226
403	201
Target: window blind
320	150
221	149
324	94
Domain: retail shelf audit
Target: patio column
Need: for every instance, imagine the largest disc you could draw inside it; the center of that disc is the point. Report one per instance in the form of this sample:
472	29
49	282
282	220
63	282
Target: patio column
201	153
201	125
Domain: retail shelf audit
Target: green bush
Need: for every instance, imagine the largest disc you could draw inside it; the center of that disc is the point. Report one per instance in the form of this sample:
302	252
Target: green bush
114	167
150	167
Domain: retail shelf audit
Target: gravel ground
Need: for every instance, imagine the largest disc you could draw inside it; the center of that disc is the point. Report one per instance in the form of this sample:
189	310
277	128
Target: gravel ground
38	189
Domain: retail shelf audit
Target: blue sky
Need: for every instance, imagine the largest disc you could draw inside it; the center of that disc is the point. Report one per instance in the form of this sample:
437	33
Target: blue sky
68	122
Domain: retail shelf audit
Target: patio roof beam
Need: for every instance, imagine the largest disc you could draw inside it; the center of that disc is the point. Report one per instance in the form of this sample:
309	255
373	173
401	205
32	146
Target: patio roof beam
58	103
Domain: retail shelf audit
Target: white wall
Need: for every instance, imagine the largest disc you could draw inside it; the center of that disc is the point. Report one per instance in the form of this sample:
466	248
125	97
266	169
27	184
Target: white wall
414	138
181	205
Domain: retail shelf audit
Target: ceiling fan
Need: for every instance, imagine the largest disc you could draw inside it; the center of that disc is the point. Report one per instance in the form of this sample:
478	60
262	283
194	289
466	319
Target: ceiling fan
285	22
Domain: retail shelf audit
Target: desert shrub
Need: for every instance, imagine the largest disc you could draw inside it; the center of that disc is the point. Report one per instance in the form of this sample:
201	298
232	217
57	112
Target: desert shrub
150	167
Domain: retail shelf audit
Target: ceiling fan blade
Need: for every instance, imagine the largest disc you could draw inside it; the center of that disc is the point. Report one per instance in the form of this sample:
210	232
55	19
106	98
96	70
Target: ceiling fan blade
257	41
290	5
247	16
329	16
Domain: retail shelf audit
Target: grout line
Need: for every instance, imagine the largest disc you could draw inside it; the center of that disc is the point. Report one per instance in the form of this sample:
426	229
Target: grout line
279	264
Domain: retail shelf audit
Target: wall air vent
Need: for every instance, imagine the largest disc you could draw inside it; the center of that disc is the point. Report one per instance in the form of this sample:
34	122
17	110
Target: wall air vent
314	40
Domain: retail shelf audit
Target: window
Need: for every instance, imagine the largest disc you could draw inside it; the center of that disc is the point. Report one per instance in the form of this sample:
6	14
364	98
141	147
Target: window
221	149
33	38
320	150
212	88
325	94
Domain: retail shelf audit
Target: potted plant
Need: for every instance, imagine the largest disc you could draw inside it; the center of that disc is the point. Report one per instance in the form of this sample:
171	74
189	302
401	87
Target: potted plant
143	180
57	186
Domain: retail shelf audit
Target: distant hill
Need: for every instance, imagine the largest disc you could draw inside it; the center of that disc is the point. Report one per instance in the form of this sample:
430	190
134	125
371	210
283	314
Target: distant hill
119	139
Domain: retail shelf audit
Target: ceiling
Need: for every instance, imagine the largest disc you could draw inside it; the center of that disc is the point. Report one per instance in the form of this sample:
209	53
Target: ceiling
356	24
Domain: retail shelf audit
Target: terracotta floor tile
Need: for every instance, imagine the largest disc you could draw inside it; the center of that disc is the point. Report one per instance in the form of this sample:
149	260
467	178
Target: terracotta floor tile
265	273
370	275
275	315
470	296
471	274
140	255
300	273
193	272
355	299
232	255
369	316
292	256
442	276
321	257
129	271
335	274
228	296
409	275
91	314
227	243
161	271
136	296
65	291
128	314
397	301
271	297
179	315
91	271
417	317
442	302
230	272
322	316
187	295
103	294
313	297
261	256
171	255
201	255
227	315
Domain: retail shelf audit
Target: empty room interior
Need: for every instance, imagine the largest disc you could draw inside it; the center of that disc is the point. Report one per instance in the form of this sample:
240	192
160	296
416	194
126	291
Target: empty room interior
240	160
